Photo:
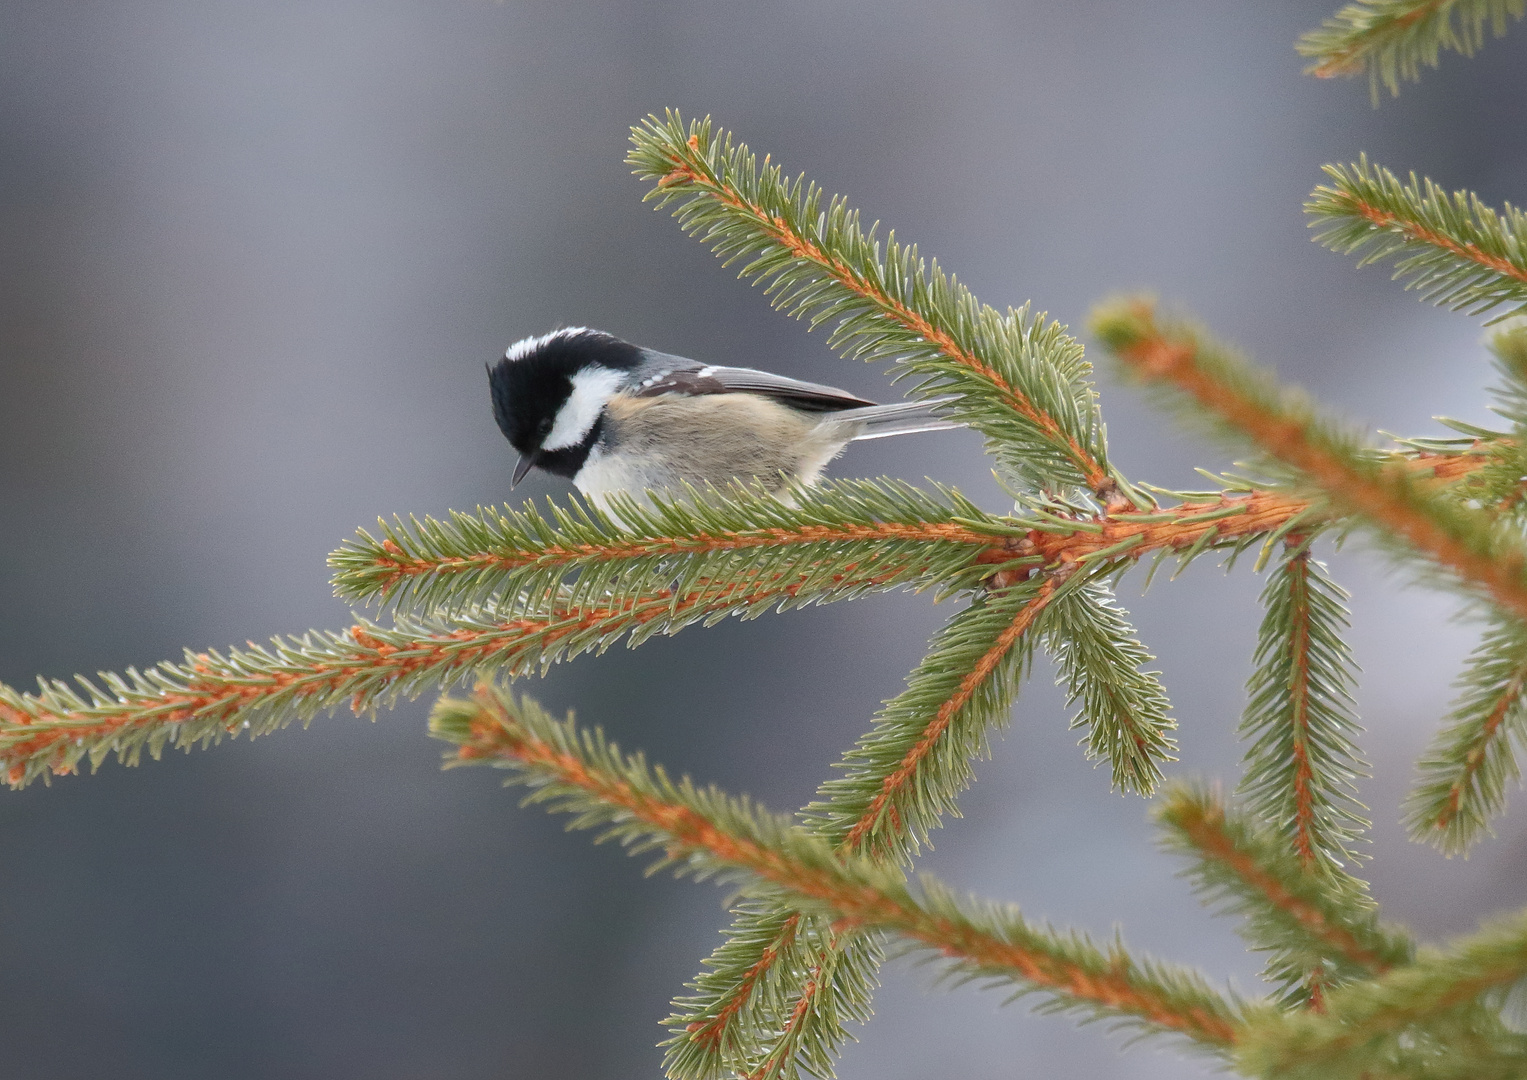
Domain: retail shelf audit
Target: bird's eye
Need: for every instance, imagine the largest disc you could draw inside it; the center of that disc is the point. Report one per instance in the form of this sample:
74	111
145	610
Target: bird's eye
544	427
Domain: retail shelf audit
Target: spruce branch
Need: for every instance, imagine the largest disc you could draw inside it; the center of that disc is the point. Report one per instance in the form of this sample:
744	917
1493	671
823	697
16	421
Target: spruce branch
1457	251
494	554
1021	381
1387	495
907	771
1320	930
761	990
472	558
1302	761
705	834
1391	39
262	688
1417	1019
1471	761
1124	708
1508	344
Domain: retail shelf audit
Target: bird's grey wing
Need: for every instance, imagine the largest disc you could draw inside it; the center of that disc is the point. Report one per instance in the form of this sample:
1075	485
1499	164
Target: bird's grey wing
661	373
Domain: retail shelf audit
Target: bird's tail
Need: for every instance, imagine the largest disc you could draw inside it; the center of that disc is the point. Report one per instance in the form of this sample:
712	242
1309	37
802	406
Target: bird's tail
897	418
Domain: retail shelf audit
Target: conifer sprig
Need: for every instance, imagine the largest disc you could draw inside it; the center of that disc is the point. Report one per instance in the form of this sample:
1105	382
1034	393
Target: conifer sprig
907	771
1471	762
1455	250
259	689
1509	346
762	993
494	554
1391	39
1319	931
703	833
1021	380
1124	708
1417	1019
667	542
1302	762
1250	404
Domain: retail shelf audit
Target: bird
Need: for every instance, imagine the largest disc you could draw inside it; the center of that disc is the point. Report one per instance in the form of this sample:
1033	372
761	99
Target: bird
617	418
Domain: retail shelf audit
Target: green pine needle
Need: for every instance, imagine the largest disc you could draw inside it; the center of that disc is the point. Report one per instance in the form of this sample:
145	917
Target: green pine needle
1303	759
1392	39
1417	1020
1458	252
1319	930
1124	708
1471	762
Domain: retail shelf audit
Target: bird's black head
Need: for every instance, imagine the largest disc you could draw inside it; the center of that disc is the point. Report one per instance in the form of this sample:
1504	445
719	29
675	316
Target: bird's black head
549	394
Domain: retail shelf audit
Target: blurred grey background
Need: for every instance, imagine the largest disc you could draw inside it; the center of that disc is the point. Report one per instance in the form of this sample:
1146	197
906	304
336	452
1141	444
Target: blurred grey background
252	259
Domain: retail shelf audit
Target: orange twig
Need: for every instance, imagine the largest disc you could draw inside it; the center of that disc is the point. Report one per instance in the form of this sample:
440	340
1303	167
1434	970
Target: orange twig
710	1033
897	780
1260	512
1304	805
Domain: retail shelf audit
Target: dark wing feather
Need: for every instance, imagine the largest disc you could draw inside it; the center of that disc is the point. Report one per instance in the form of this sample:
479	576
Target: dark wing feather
661	373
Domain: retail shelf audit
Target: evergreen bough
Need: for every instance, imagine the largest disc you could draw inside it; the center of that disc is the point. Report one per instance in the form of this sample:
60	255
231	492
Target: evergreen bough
821	896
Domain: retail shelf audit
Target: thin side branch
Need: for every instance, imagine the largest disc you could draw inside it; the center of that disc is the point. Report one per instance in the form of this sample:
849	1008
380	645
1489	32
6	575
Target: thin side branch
1465	773
639	547
1457	251
259	689
1303	758
1392	39
1319	932
1389	1016
763	985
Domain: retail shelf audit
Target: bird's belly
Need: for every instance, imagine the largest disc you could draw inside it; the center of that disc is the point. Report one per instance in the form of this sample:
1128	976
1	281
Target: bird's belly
658	444
604	474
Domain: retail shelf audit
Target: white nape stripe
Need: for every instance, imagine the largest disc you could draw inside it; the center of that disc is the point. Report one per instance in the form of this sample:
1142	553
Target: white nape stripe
592	389
521	349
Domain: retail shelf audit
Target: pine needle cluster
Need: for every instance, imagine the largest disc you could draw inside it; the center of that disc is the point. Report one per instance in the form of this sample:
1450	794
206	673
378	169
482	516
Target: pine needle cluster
822	897
1392	39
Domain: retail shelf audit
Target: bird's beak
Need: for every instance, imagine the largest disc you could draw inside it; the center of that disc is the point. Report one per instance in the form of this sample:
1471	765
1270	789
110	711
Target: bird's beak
526	463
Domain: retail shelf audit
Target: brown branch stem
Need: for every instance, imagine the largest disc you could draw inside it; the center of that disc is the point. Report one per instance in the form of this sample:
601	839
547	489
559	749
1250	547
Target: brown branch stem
397	565
1299	690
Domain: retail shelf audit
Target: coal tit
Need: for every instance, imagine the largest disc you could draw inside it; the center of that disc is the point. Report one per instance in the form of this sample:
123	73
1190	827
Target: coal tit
615	417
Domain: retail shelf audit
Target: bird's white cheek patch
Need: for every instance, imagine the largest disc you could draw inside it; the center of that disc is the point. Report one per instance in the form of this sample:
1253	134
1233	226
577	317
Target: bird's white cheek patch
592	389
